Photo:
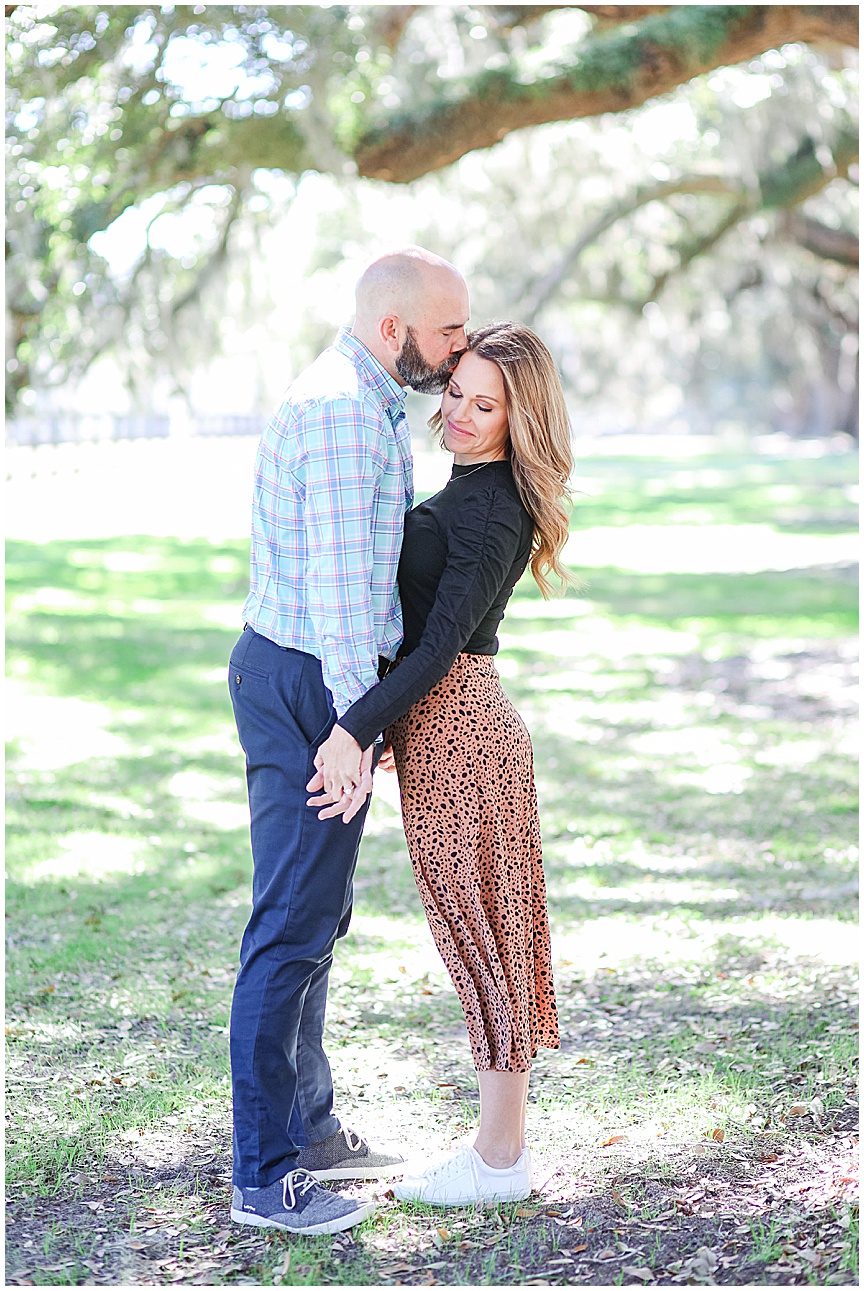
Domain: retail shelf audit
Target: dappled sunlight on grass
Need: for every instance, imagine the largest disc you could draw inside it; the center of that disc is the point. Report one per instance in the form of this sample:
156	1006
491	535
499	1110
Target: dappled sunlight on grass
694	760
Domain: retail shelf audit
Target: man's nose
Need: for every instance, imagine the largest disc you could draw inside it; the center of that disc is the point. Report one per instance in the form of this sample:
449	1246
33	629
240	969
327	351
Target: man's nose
458	341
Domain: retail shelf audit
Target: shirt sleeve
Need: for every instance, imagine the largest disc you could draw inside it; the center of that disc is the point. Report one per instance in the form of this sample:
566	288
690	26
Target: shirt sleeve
483	542
340	474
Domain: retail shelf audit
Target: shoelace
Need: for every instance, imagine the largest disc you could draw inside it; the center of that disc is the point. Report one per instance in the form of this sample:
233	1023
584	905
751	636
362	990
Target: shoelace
453	1165
296	1184
346	1133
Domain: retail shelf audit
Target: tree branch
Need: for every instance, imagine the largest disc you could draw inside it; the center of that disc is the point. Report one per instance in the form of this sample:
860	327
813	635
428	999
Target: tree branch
217	257
608	73
550	282
615	15
690	251
821	240
804	174
391	21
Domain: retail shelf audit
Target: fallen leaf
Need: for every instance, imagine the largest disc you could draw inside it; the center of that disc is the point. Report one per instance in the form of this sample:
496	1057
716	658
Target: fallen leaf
641	1272
93	1205
137	1246
576	1249
525	1214
621	1202
797	1109
614	1138
718	1135
608	1253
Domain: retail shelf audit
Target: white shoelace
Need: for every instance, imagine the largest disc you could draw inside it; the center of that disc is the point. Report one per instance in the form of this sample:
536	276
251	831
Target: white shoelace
453	1165
296	1184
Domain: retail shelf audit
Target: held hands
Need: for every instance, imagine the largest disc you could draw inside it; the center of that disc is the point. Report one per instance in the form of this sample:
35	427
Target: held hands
344	773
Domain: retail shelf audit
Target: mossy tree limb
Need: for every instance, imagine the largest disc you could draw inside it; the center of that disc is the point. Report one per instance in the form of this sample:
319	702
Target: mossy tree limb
606	74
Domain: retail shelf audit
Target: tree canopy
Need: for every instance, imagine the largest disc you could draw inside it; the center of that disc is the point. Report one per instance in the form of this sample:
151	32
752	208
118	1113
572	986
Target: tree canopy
108	106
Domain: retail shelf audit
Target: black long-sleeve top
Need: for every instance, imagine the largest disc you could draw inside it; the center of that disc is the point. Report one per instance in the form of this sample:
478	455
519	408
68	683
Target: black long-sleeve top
463	552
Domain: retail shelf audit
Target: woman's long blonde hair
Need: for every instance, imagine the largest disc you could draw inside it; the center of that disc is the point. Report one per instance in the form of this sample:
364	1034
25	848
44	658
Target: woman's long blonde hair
539	451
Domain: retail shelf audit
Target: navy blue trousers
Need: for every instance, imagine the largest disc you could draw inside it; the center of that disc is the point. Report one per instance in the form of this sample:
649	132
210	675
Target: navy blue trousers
301	903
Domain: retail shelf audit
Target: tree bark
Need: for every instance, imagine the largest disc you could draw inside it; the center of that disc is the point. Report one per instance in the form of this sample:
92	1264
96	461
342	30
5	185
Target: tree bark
609	73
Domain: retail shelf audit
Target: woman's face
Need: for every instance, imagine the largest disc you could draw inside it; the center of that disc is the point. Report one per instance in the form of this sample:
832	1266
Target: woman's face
474	412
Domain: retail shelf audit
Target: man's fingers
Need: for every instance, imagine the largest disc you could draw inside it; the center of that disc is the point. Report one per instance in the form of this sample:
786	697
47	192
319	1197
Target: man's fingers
336	809
357	801
323	801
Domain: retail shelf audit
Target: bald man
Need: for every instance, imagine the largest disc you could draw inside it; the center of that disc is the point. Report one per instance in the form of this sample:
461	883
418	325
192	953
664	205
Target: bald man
333	481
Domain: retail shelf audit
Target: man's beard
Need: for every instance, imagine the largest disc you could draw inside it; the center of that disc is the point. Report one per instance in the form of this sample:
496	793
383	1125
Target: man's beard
417	373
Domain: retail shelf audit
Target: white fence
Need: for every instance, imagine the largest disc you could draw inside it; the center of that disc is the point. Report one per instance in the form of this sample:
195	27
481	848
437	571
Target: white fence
78	428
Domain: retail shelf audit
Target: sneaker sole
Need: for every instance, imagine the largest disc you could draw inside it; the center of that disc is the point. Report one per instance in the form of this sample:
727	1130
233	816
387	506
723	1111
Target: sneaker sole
313	1230
360	1172
517	1195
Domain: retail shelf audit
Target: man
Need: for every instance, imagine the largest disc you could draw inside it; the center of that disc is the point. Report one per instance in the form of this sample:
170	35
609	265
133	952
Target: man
333	483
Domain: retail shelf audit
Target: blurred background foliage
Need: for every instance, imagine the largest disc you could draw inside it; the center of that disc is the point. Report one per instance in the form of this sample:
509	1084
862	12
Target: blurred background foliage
667	193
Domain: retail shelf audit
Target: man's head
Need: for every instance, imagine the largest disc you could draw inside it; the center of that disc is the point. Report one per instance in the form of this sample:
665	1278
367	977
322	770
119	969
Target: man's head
412	308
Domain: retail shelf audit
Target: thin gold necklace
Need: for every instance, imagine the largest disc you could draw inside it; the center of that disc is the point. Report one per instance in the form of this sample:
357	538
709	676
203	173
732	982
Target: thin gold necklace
467	473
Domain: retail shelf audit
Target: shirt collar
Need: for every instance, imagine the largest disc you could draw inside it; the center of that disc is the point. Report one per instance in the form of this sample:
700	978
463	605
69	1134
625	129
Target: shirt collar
373	372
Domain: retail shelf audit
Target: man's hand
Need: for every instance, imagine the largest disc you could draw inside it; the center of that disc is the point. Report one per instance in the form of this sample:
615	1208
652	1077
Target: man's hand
341	800
387	762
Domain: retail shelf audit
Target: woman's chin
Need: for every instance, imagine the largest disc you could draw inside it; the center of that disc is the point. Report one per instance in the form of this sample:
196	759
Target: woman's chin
456	443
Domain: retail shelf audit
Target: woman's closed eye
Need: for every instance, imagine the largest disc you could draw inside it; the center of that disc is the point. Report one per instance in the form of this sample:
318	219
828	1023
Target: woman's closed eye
455	393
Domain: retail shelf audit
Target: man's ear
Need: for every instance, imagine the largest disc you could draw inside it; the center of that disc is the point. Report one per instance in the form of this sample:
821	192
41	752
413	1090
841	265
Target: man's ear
390	331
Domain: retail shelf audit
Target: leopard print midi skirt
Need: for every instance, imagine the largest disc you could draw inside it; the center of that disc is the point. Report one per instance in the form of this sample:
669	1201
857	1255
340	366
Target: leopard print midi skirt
466	779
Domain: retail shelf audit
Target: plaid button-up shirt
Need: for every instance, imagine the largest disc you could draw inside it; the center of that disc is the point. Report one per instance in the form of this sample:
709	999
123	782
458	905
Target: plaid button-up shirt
333	480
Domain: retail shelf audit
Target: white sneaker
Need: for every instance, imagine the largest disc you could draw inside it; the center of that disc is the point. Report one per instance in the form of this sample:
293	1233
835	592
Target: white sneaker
464	1178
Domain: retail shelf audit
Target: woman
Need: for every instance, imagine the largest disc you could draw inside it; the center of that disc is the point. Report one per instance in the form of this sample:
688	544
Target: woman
461	750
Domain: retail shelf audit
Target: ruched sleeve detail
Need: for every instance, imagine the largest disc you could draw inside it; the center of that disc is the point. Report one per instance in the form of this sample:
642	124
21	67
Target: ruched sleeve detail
484	536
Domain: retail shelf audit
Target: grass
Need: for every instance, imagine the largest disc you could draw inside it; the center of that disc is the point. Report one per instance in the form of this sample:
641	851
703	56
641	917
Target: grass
695	770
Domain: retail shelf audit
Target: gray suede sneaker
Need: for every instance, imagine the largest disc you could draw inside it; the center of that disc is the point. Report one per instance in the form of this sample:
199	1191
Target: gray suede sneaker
299	1205
346	1155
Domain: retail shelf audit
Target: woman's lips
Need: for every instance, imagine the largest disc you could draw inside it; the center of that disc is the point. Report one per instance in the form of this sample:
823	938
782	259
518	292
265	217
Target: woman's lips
454	430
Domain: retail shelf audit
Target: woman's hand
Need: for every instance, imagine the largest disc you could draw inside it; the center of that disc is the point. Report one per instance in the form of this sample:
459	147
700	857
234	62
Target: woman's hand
344	773
338	760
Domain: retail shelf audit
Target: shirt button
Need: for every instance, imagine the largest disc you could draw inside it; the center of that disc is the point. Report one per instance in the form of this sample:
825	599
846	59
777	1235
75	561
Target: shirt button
237	678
